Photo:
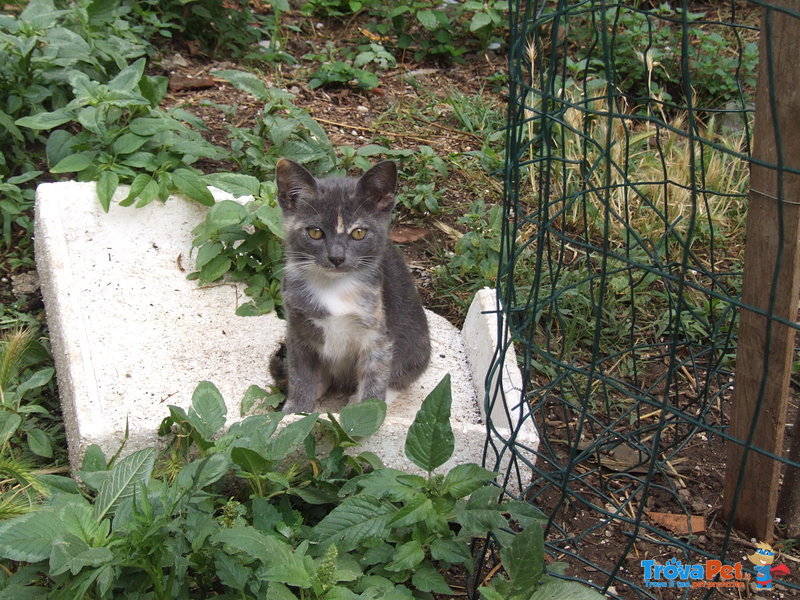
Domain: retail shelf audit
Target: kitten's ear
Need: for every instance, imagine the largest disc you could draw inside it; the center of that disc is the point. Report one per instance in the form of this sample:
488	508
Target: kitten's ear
294	182
378	184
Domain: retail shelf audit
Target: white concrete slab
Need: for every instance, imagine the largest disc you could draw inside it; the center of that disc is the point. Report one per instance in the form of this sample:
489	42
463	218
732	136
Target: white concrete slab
131	334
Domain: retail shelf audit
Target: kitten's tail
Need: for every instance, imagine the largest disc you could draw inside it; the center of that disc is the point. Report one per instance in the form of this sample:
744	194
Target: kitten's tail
278	370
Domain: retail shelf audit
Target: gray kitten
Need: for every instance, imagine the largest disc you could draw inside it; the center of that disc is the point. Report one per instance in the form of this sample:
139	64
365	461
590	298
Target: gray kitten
355	323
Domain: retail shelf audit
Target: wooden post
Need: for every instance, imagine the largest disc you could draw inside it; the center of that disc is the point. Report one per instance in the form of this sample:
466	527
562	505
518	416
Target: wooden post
764	357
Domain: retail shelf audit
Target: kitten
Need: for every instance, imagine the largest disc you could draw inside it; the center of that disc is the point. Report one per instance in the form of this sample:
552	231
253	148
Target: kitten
354	320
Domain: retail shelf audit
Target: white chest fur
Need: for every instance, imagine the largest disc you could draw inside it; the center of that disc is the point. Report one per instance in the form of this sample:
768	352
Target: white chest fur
352	319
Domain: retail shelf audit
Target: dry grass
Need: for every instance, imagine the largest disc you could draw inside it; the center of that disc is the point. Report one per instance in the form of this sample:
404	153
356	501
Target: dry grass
649	177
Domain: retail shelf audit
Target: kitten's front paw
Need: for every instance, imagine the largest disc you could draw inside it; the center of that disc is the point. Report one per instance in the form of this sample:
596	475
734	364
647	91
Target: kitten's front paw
293	405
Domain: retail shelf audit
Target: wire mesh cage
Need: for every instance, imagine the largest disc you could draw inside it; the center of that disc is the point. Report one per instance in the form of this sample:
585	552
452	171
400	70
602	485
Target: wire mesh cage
627	184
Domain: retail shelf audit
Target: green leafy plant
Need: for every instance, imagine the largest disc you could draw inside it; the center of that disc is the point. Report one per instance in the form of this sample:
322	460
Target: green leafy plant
420	171
333	71
335	8
40	48
486	19
523	561
27	432
125	138
340	73
314	519
647	63
15	204
477	252
282	131
243	241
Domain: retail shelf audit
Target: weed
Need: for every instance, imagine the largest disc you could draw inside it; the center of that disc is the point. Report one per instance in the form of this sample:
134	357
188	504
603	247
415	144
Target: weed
309	525
123	134
641	55
333	71
283	130
243	241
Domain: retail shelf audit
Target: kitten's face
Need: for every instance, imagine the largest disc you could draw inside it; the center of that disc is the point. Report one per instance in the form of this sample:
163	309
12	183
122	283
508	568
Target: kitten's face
335	225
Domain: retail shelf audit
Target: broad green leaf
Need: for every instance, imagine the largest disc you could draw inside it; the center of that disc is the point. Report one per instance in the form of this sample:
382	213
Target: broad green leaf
280	129
29	537
271	216
129	473
281	563
40	14
74	162
356	519
191	185
250	461
479	19
9	423
428	19
523	560
231	572
60	144
290	438
372	150
206	253
150	126
72	554
362	419
215	268
251	309
450	550
7	122
430	442
138	185
141	160
246	82
202	472
149	193
255	395
94	459
40	443
406	556
107	184
127	80
417	510
46	120
225	213
128	143
428	579
464	479
208	410
492	594
278	591
237	184
24	177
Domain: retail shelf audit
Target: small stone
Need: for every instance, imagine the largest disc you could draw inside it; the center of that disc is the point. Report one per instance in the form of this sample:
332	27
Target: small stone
24	284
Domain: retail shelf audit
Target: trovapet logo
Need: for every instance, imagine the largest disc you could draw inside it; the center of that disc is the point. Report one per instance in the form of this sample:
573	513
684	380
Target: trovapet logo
708	574
714	573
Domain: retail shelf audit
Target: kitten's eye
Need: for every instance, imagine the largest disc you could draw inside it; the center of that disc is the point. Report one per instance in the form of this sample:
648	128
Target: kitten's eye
315	233
358	233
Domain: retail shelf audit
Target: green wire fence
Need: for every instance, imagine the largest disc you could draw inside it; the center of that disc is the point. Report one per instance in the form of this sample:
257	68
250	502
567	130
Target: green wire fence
627	185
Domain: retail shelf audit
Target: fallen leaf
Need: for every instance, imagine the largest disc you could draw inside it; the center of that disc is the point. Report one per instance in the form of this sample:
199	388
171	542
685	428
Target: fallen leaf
407	235
679	524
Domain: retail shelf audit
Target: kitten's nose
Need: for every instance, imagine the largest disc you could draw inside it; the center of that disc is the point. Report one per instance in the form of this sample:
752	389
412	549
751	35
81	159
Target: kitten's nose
336	261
